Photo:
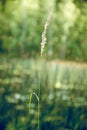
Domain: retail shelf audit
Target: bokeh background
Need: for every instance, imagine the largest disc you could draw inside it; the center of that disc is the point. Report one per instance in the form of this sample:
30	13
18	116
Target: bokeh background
61	72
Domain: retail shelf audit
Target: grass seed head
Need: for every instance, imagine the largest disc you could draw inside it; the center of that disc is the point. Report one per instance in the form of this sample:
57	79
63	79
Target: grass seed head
44	39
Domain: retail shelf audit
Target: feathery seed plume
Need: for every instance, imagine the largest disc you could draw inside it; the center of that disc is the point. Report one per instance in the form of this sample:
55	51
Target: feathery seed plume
43	42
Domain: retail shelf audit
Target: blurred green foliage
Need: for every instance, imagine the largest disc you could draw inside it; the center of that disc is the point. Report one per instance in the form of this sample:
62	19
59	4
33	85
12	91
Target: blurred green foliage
63	85
63	95
21	26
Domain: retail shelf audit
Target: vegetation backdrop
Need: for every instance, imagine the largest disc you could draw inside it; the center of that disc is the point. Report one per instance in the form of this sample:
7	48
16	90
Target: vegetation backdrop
61	74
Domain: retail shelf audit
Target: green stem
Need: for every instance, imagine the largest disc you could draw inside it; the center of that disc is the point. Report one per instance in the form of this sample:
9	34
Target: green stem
38	115
30	101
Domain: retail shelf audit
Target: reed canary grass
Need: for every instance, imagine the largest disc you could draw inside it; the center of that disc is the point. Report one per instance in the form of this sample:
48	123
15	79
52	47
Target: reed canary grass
43	42
44	39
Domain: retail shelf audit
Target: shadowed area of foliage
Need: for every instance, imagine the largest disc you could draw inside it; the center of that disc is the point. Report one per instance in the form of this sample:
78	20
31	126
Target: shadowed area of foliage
63	95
